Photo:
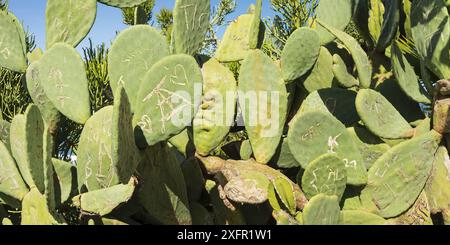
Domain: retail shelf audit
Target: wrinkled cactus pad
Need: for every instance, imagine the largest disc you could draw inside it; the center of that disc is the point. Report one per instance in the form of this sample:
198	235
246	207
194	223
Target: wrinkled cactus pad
397	178
166	102
326	175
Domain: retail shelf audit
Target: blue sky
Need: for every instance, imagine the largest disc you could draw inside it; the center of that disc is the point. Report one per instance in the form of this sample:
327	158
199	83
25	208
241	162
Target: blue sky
109	19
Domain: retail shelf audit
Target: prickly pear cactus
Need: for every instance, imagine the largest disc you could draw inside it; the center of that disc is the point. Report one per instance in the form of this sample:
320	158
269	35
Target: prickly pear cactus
190	24
167	101
327	12
380	116
216	113
397	178
134	51
27	146
12	186
69	21
36	212
343	77
263	105
300	53
326	174
315	133
12	43
67	180
61	72
357	217
322	210
322	73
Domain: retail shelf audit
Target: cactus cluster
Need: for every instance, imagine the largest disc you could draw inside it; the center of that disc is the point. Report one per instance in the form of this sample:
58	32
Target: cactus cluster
332	131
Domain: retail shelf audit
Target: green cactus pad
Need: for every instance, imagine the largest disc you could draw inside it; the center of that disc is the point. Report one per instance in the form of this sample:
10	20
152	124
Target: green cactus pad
48	171
216	114
285	158
183	142
358	217
263	104
273	198
429	26
235	42
36	212
67	182
406	76
190	24
122	3
69	21
339	102
61	72
249	187
12	186
390	25
375	20
359	56
124	150
95	163
4	133
313	134
104	201
245	151
163	191
300	53
380	117
343	77
12	43
321	75
35	55
322	210
134	51
167	98
193	177
397	178
27	146
50	114
336	13
285	191
423	127
255	34
437	188
327	175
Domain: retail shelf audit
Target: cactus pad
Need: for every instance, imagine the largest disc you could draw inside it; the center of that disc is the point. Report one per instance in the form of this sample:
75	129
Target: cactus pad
104	201
321	75
12	185
167	98
285	191
437	188
36	212
235	42
61	72
406	76
300	53
343	77
95	163
263	104
216	114
359	56
380	117
326	175
286	159
190	24
315	133
336	13
27	146
134	51
339	102
429	26
69	21
124	150
12	43
322	210
67	182
397	178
